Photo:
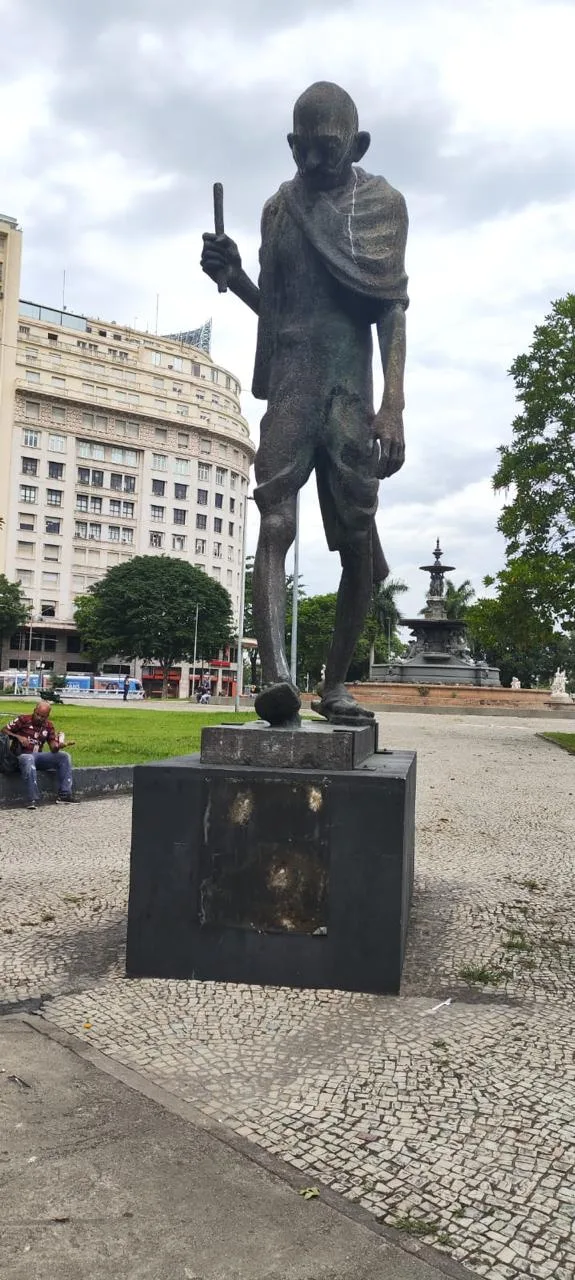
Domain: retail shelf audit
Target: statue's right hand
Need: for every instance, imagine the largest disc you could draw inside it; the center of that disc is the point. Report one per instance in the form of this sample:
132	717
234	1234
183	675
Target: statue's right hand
220	253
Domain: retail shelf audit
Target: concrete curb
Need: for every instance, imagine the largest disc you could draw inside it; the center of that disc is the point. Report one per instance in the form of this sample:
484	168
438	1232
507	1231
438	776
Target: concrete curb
435	1258
92	782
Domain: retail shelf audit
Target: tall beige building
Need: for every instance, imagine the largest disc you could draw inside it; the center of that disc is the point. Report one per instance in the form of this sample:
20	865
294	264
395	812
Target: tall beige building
113	443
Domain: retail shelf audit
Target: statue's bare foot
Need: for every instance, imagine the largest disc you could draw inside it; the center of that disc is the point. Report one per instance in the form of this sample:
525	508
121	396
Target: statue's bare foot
279	704
338	705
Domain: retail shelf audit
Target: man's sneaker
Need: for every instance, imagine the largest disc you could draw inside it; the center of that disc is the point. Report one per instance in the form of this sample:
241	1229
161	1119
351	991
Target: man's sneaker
33	804
65	798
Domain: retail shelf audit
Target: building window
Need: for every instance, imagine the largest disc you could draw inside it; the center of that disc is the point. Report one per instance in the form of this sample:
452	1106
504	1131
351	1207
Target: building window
218	550
219	501
52	526
127	535
133	430
178	542
202	497
159	462
26	521
96	506
95	532
232	505
128	510
230	553
161	432
196	370
58	414
32	375
181	492
25	548
97	479
182	466
156	539
115	480
177	363
25	577
52	337
56	443
200	546
205	446
32	410
201	522
28	493
115	507
54	497
157	513
156	357
230	529
183	411
159	488
31	438
81	502
89	448
217	525
113	533
230	577
216	571
204	470
233	479
29	466
129	484
50	579
57	380
160	404
51	551
159	384
83	475
24	331
56	470
179	515
221	474
214	375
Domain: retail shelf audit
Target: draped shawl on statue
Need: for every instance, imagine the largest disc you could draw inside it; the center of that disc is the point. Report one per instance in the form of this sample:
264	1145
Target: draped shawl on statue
359	232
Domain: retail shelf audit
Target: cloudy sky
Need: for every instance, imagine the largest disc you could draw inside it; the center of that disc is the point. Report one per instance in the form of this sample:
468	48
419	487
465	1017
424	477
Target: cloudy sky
118	117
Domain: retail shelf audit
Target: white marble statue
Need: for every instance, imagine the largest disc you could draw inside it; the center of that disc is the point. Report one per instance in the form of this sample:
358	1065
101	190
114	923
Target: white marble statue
559	685
515	683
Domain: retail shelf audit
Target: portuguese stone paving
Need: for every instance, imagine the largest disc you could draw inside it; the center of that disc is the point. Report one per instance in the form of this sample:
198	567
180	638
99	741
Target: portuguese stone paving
449	1112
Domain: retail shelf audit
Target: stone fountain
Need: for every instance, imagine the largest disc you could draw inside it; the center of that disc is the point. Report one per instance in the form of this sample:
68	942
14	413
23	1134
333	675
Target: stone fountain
439	652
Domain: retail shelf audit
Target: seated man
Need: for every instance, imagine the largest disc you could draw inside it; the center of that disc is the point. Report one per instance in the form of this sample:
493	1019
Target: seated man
33	732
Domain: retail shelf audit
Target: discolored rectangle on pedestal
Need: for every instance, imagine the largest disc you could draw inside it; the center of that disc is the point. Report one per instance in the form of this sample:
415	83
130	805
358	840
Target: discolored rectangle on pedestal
312	745
285	877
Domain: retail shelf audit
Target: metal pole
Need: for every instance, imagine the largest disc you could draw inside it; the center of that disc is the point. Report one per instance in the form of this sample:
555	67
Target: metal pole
389	639
240	653
195	652
29	655
295	594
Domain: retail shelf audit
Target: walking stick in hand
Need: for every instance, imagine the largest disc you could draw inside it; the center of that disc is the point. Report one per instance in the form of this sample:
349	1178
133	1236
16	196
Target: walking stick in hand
219	230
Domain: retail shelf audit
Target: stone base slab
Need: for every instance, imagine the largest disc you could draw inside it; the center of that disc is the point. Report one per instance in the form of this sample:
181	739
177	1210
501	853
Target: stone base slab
310	746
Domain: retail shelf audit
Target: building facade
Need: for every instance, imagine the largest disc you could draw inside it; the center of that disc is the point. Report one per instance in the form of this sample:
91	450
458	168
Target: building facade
113	443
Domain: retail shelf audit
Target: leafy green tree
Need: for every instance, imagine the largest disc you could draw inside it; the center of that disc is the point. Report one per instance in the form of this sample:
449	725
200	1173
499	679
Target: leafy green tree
316	622
249	628
537	470
458	599
14	607
146	608
383	617
88	621
513	633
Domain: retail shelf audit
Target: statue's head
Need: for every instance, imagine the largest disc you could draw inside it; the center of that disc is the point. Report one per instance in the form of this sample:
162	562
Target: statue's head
326	140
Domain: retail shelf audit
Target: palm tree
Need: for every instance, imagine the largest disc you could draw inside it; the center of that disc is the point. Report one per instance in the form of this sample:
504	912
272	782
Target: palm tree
457	599
384	615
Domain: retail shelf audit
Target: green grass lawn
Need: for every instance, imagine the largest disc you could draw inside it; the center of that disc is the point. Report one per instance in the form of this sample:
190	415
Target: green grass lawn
565	740
117	735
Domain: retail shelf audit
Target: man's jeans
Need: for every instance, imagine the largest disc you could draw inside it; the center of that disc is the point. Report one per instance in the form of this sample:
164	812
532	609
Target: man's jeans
30	761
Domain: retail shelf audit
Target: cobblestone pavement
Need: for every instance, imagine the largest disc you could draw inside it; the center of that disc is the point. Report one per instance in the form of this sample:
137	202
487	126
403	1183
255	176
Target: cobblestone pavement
455	1123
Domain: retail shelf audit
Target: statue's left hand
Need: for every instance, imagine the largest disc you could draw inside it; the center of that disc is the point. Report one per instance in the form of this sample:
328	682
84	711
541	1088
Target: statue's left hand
388	430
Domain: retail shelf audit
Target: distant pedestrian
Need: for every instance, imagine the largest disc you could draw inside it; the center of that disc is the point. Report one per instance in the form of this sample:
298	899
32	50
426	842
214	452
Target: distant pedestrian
126	688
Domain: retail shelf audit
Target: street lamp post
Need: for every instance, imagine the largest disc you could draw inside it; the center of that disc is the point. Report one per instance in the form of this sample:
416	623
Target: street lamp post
295	595
29	664
240	652
195	652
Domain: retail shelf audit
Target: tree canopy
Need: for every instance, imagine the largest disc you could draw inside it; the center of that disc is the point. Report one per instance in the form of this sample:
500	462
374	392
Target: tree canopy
458	599
537	469
14	607
146	608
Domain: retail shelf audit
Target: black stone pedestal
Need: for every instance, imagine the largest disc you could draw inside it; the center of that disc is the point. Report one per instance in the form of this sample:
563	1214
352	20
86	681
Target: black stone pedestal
279	876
